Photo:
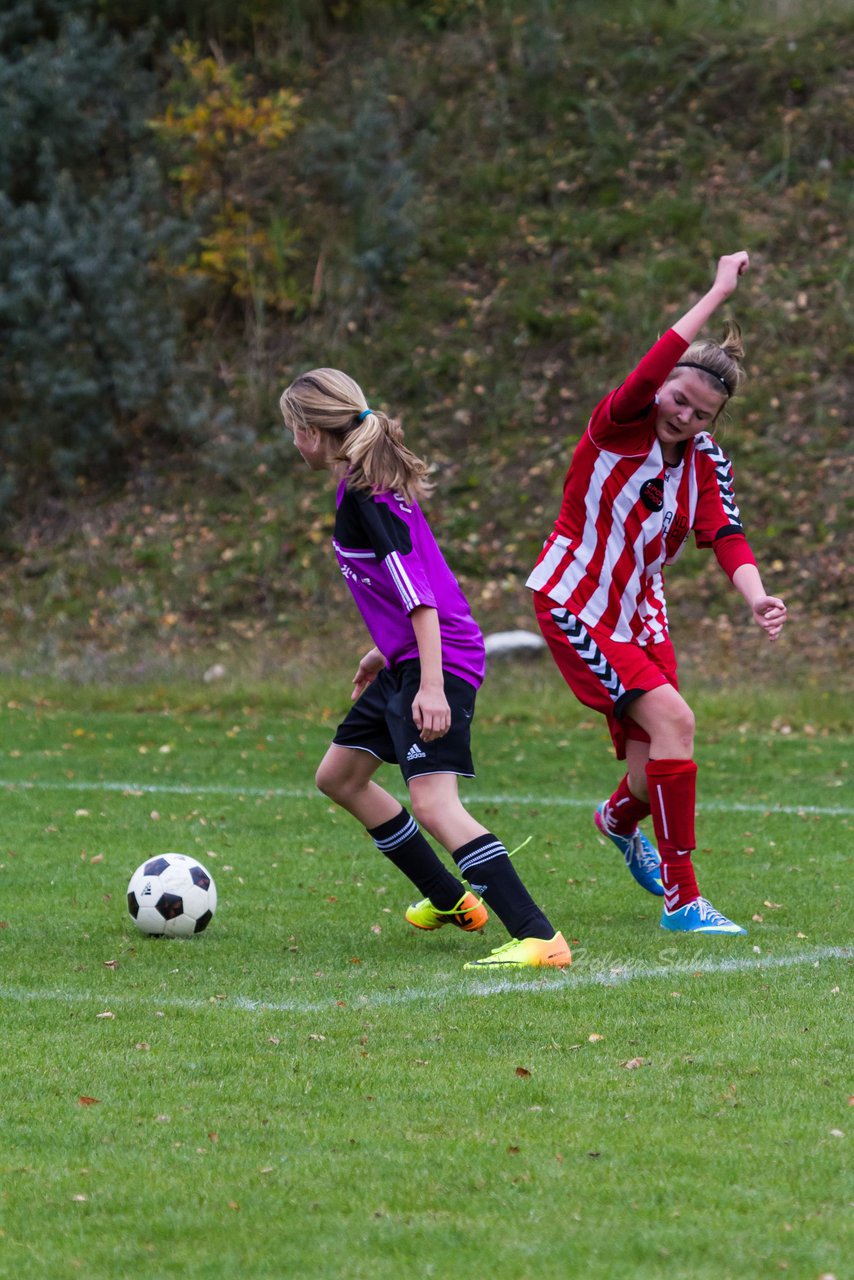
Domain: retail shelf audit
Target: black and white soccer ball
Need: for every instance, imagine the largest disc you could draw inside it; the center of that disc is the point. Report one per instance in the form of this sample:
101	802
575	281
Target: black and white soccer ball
172	894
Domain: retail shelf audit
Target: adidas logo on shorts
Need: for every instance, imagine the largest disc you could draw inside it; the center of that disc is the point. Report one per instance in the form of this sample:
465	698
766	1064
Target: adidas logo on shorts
415	753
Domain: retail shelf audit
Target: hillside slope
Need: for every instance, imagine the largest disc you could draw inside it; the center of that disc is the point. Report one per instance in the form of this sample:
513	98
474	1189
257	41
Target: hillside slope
494	219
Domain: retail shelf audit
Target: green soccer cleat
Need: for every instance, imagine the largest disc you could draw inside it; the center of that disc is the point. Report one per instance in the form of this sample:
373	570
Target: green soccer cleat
469	914
518	953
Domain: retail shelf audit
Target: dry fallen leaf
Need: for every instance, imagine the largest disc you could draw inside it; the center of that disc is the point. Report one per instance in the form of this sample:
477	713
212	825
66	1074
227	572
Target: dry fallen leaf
85	1101
105	1014
522	1073
773	906
634	1063
594	1037
316	1037
111	964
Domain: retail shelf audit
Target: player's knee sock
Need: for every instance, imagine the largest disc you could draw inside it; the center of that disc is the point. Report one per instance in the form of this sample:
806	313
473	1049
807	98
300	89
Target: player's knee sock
486	865
624	811
403	844
673	799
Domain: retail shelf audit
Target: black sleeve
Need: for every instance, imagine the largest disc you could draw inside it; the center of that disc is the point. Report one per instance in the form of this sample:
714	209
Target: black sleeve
363	523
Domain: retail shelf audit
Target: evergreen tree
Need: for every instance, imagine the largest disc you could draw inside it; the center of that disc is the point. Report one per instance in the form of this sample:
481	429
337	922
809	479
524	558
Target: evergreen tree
88	330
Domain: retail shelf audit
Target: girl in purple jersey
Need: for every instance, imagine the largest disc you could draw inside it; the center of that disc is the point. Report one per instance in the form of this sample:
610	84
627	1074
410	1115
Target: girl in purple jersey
414	691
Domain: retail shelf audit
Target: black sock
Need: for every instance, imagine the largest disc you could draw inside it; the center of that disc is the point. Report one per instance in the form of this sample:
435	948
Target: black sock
404	845
486	865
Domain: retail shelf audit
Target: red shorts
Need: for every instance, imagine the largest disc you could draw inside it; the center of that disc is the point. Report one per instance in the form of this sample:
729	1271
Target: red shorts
604	673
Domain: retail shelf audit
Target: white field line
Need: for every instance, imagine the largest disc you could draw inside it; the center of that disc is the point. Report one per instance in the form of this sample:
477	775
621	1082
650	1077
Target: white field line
551	982
304	793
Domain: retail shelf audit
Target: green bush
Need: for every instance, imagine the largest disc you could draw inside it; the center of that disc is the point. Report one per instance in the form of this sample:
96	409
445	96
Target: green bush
88	332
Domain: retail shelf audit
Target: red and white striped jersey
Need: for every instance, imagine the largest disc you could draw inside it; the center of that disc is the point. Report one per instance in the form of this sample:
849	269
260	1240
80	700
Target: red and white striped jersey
626	513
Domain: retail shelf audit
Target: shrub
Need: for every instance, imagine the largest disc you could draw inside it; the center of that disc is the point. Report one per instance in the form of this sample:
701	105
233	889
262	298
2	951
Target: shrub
88	334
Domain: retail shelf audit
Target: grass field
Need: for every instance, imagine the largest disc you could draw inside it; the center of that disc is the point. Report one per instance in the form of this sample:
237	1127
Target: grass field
311	1088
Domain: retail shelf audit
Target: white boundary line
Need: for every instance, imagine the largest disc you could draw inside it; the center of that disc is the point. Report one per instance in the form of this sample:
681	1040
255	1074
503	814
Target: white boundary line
552	982
301	793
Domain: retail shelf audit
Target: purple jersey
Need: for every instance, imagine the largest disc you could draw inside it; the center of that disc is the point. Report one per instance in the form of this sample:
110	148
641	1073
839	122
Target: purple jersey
392	564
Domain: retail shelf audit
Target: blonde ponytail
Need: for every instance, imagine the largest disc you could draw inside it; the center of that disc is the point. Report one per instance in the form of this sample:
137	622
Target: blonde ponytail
367	440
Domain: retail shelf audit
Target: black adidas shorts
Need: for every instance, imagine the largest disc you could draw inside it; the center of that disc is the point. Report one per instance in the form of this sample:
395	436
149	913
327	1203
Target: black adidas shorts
381	722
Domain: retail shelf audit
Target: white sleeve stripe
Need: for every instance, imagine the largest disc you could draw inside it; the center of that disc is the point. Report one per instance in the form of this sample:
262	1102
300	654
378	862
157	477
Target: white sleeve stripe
401	580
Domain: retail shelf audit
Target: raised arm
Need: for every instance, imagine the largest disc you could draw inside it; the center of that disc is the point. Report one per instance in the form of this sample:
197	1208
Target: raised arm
636	393
730	267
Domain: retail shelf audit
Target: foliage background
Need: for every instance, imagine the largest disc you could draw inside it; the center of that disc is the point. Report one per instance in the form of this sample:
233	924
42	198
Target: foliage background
483	211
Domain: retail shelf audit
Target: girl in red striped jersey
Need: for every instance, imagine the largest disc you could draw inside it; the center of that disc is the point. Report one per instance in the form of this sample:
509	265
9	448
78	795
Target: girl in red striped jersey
645	473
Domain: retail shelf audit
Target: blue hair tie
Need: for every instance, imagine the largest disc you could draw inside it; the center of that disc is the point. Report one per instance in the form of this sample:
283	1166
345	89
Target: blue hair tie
363	415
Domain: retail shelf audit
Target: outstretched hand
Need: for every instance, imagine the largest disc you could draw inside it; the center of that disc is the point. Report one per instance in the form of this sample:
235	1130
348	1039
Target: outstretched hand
770	614
366	673
730	267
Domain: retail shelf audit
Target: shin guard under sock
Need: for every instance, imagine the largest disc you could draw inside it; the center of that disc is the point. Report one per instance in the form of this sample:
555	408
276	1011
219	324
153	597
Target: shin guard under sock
673	801
486	865
403	844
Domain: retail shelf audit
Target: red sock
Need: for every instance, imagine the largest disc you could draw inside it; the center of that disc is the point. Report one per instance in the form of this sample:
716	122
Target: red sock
672	798
624	811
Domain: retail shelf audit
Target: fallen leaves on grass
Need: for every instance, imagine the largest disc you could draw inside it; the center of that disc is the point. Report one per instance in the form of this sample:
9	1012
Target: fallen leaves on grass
634	1063
106	1014
523	1073
594	1038
86	1101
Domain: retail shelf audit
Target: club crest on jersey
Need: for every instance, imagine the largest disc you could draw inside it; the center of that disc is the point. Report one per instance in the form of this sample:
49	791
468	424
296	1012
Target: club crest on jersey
652	494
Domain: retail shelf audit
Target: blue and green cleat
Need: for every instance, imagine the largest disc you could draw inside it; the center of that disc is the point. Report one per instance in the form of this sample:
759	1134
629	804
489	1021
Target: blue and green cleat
698	916
640	856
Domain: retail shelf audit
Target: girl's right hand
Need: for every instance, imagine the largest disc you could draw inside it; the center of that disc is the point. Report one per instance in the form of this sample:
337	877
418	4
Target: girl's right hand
366	673
730	267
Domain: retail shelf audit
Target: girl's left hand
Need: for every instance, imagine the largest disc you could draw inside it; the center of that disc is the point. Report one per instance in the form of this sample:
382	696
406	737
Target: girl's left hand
770	614
431	713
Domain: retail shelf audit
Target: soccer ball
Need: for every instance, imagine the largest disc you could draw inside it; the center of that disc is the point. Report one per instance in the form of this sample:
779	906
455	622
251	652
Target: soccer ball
173	895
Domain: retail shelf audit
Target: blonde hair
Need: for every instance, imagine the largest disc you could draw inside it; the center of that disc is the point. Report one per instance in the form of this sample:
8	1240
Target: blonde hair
370	442
719	361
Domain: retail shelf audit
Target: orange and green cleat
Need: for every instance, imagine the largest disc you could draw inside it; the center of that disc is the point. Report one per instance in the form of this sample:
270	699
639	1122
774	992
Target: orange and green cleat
469	914
520	953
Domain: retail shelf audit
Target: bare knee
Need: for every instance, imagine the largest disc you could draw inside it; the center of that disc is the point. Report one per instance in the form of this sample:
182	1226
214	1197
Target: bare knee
668	720
330	780
679	727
